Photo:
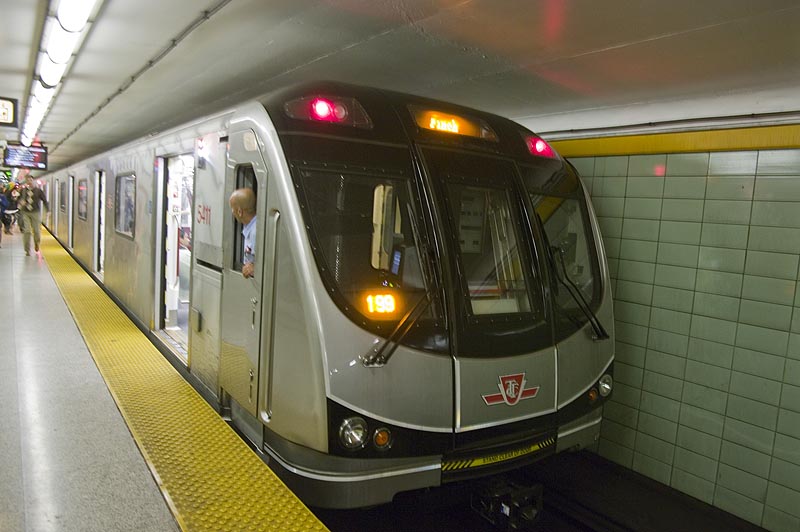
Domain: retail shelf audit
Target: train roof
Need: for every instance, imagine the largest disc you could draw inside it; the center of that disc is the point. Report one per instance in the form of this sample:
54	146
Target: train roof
392	118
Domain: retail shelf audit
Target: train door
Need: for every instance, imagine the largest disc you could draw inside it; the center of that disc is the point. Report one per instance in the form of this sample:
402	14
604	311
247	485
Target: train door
177	243
100	217
61	195
70	211
244	364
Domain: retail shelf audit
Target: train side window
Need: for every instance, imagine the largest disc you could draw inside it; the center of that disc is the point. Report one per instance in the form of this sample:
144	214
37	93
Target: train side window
62	196
569	235
124	205
393	247
245	178
83	198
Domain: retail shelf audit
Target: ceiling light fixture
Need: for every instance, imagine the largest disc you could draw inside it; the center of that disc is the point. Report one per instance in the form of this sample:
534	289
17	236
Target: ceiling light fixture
61	38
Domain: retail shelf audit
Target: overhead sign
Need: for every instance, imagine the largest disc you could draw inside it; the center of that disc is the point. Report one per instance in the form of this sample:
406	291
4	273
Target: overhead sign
8	112
19	156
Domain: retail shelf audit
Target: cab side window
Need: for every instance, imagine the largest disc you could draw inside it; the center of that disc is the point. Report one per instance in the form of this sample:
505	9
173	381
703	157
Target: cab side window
245	178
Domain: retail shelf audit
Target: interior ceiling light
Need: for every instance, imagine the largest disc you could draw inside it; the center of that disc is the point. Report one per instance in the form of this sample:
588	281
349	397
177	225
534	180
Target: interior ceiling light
73	14
50	72
58	42
42	93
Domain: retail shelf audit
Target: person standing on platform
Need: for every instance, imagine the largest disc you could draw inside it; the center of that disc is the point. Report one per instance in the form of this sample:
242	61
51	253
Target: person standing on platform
3	207
243	206
30	208
11	194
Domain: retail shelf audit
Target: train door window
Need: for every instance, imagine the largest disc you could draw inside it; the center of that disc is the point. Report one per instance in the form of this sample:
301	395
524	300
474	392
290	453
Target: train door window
100	206
245	178
54	202
83	199
62	196
71	212
125	205
489	250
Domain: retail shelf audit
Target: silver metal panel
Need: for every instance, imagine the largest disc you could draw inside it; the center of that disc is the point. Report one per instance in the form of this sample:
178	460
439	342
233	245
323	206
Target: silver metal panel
210	205
126	256
296	382
492	391
204	327
414	389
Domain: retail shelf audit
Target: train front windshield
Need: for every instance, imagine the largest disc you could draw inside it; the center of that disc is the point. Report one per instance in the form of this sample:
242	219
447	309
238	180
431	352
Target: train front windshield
558	201
365	228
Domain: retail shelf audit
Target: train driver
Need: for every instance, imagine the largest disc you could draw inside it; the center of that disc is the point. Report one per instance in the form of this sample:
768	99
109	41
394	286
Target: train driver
243	206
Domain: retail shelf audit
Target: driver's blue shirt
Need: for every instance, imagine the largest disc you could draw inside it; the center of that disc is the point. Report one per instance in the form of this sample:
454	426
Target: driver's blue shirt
249	234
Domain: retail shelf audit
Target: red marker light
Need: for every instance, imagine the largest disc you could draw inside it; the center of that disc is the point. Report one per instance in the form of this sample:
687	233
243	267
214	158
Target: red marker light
539	147
322	109
339	110
328	111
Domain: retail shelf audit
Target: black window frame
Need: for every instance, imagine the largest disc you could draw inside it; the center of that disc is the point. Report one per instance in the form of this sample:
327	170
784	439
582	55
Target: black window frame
129	177
245	178
493	335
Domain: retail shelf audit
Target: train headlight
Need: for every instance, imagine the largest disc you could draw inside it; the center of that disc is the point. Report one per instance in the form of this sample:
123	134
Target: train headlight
353	433
606	383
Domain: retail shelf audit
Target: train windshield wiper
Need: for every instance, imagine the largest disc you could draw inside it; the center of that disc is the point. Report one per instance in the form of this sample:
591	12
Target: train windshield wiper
600	332
380	354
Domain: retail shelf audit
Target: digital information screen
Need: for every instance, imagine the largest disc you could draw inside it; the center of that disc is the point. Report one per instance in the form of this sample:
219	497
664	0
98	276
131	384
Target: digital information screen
19	156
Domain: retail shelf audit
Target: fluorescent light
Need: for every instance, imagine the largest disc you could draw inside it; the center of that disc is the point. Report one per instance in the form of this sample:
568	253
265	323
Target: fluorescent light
42	93
50	72
59	42
73	14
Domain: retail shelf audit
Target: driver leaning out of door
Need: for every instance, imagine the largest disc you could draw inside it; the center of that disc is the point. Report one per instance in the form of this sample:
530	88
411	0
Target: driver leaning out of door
243	206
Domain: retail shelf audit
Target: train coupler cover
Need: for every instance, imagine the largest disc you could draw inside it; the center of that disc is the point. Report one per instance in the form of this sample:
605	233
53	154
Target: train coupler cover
507	504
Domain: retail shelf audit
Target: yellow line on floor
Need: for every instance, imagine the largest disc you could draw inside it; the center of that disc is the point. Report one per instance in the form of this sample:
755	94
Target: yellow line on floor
210	478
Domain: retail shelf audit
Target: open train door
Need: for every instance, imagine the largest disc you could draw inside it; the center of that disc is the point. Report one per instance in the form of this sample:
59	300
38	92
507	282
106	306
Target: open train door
242	368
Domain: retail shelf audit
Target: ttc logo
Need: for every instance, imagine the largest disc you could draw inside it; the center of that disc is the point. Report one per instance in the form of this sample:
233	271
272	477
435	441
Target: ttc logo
512	390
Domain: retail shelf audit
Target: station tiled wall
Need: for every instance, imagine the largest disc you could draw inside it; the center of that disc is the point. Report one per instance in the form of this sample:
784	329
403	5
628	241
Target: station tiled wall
703	250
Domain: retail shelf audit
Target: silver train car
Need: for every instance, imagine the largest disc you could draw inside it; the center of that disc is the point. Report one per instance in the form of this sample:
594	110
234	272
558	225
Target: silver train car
431	299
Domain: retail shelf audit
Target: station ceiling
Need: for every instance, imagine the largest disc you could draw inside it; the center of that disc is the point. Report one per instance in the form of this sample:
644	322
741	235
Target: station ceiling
563	68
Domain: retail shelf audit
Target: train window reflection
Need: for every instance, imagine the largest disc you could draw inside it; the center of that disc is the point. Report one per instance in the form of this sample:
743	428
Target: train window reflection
83	198
125	205
566	232
62	196
489	250
366	237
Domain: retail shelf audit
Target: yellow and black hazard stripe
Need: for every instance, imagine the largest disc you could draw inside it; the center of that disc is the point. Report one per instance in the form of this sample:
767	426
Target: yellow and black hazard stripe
481	461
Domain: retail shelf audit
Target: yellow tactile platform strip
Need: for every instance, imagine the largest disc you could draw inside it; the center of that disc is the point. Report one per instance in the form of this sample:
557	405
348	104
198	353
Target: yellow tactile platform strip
210	478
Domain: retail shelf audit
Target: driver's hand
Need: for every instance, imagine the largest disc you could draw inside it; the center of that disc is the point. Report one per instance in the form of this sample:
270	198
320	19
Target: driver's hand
248	269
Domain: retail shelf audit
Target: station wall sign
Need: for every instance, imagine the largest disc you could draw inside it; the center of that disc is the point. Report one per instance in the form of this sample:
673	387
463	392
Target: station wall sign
19	156
8	112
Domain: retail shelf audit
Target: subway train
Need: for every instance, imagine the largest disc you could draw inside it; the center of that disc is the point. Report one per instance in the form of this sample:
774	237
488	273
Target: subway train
431	300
